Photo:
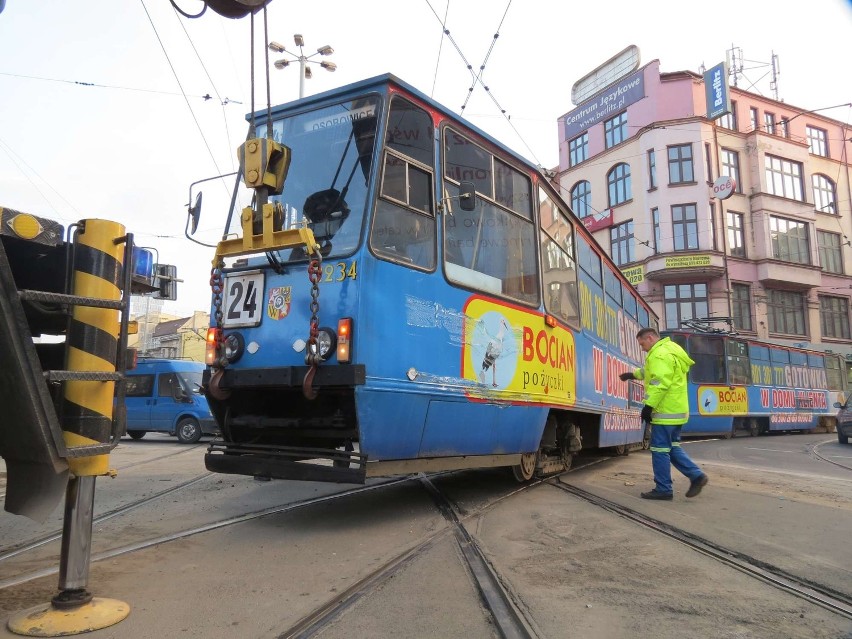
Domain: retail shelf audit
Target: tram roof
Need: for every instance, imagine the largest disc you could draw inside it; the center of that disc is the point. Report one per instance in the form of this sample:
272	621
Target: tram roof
378	82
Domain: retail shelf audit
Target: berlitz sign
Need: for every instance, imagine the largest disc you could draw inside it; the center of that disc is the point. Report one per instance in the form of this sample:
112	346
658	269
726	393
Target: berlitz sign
724	187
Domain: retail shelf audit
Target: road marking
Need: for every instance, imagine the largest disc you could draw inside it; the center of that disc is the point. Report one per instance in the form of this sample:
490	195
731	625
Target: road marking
774	450
773	471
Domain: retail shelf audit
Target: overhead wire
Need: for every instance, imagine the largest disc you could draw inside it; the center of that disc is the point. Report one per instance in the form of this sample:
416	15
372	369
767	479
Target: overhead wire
484	86
10	152
222	101
177	79
478	77
81	83
440	48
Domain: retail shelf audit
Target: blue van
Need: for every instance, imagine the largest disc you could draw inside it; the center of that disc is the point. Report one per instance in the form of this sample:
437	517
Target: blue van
164	395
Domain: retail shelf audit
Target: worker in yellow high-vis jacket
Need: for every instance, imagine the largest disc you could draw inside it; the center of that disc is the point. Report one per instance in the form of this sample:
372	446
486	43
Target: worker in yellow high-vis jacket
667	409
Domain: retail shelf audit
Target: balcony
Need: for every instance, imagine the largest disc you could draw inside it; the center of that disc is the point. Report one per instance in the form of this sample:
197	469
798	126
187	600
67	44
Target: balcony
788	275
677	267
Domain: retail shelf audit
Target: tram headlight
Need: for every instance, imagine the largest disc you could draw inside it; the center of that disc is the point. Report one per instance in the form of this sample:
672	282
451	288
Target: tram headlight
326	341
235	344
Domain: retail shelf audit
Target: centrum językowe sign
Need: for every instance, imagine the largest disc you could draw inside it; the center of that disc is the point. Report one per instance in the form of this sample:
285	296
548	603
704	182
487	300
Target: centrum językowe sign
616	97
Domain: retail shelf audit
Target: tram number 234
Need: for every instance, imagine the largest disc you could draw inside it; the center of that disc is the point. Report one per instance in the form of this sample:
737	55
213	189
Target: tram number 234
339	271
243	293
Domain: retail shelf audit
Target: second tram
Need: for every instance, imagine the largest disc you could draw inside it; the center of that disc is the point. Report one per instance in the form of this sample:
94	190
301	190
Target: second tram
743	384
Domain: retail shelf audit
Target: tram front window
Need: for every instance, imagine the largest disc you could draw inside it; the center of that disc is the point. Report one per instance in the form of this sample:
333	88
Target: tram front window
331	162
709	356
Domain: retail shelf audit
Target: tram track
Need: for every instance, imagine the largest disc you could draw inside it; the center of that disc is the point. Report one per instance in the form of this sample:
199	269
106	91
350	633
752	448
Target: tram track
141	462
183	450
188	532
817	594
813	449
510	622
32	545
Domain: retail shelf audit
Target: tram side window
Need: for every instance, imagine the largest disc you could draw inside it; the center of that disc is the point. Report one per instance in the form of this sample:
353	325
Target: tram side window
612	286
465	161
588	259
512	189
709	356
834	373
629	302
761	367
643	317
739	366
557	256
404	227
489	248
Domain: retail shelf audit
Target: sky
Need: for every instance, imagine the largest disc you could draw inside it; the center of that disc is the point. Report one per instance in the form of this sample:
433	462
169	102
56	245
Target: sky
103	114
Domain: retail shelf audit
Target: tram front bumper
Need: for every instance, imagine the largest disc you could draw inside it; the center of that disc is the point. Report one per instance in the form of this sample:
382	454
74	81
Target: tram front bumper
283	462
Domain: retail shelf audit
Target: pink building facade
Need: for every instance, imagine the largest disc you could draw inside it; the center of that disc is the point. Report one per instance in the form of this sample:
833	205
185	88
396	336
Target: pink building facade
638	161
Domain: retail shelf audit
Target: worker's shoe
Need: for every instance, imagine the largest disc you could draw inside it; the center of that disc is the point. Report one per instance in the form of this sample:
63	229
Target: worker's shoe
696	485
655	494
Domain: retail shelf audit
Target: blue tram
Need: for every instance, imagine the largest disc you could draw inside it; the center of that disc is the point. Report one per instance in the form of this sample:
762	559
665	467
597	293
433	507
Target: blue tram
743	384
413	296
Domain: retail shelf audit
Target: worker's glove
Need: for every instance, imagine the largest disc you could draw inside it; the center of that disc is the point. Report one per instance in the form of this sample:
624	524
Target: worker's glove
625	376
646	413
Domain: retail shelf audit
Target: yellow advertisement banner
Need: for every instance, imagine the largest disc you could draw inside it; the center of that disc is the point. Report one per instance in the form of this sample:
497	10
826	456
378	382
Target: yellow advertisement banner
722	400
512	353
635	274
687	261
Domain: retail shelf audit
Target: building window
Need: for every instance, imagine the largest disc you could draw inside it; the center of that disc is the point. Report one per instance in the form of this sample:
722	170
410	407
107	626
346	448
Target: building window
817	141
785	127
825	195
581	199
769	122
834	317
741	306
736	236
729	120
713	234
652	169
786	312
708	163
680	164
618	182
784	178
621	243
655	216
752	113
731	167
615	130
684	302
789	240
685	227
830	253
578	149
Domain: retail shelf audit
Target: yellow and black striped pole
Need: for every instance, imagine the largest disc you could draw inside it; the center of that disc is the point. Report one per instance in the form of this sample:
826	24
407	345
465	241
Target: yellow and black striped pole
92	345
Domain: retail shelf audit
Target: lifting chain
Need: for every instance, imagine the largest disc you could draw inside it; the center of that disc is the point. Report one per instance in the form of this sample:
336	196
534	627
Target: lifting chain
217	285
312	350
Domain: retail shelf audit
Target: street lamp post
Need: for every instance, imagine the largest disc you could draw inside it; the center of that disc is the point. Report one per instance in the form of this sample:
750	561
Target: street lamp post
304	60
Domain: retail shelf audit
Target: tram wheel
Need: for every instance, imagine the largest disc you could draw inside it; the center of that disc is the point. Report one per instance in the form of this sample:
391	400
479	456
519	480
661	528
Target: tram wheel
621	450
526	469
753	427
